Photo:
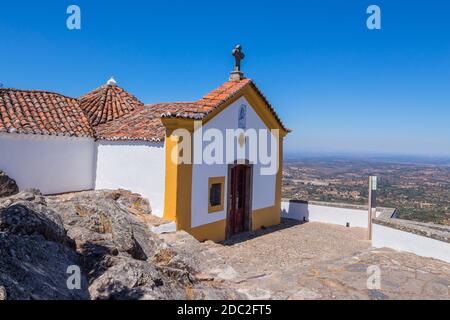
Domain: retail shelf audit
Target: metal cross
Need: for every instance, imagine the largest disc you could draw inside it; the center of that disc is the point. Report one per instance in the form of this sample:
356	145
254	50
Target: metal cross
238	56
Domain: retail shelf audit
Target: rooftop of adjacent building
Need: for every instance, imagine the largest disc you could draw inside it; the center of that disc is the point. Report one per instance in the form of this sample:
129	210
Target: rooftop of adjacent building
109	112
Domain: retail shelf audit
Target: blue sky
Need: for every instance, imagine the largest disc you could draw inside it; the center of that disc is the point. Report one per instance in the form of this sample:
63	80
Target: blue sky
338	85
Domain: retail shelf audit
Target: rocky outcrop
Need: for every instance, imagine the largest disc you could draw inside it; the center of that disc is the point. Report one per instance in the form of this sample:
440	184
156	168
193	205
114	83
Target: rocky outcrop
29	195
107	235
8	186
105	218
35	254
31	219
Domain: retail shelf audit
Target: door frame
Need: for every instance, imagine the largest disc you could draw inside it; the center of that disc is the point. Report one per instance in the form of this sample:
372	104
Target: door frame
249	197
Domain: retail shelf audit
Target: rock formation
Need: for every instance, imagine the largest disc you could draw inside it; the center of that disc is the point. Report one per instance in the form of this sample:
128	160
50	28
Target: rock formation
8	186
107	235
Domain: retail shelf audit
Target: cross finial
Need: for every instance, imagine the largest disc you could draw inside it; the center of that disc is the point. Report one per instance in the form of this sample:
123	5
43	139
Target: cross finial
236	74
238	56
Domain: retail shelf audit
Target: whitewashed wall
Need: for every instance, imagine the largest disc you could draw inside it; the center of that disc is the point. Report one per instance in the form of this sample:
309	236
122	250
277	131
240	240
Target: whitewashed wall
325	214
385	237
263	185
50	163
137	166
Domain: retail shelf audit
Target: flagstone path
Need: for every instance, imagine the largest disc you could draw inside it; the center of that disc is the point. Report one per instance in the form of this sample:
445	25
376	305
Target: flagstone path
322	261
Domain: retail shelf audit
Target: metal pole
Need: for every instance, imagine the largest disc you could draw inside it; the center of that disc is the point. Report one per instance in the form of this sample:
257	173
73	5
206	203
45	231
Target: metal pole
372	204
369	222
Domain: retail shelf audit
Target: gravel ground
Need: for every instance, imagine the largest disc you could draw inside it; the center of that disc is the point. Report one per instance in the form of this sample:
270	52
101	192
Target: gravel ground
322	261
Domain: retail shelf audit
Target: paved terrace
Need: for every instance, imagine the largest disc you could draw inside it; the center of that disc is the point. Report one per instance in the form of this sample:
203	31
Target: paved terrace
323	261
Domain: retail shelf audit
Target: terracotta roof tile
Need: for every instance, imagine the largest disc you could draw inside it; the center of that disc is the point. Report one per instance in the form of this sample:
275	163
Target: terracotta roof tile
108	112
220	96
42	112
108	103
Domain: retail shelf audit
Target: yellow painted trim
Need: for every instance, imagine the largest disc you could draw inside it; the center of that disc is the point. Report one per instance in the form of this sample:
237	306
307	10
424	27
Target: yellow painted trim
178	123
265	217
212	231
177	197
178	189
221	206
215	231
171	180
279	182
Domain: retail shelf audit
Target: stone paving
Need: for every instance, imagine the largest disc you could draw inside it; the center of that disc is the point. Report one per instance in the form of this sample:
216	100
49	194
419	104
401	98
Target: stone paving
322	261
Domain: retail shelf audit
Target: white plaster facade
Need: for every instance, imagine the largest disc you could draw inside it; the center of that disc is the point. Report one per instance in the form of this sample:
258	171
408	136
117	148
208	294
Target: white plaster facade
138	166
325	214
56	164
53	164
264	186
382	236
385	237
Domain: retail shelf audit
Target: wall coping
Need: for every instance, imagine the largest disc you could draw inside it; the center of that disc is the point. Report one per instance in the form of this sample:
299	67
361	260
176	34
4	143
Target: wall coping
45	137
386	217
382	211
429	230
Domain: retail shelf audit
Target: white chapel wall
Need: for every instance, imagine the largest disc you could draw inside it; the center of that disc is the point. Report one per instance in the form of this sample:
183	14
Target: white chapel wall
138	166
51	164
264	186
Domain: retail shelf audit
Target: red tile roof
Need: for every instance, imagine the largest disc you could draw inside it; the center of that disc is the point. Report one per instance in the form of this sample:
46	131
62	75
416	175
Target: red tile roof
110	113
219	97
108	103
42	112
143	124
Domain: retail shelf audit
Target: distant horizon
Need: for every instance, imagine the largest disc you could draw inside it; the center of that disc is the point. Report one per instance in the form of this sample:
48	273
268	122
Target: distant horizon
366	156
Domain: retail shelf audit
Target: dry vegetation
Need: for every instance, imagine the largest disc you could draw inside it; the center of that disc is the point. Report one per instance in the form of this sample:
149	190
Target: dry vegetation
419	191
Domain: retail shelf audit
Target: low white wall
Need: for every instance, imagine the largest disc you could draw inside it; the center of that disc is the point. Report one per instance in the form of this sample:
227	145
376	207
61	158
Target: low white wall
51	164
386	237
317	213
137	166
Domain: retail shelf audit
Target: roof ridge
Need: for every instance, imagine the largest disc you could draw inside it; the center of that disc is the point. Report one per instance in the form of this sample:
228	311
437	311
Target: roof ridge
221	96
37	91
169	102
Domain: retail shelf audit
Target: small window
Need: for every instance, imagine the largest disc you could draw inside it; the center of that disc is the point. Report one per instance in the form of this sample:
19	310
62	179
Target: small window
216	194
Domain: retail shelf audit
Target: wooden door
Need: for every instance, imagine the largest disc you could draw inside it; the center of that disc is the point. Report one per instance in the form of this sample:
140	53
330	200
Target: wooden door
238	199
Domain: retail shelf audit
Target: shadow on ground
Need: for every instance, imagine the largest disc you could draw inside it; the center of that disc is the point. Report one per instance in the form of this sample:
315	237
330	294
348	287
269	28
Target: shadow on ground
248	235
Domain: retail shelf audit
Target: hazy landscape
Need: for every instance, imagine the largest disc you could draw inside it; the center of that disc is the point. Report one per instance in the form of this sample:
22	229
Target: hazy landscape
418	187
